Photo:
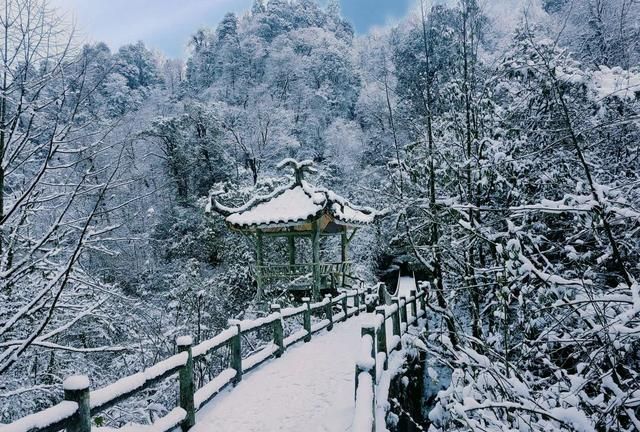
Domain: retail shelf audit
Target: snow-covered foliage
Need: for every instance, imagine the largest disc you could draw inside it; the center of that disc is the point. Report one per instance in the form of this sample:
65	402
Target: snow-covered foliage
521	205
509	161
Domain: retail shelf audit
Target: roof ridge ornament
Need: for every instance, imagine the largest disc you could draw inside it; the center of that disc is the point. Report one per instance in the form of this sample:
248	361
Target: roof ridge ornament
299	168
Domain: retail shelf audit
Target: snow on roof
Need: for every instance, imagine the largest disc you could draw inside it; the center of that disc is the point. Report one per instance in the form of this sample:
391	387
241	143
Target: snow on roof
295	203
291	205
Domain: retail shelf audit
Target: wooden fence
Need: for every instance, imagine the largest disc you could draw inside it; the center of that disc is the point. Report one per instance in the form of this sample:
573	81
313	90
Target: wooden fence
375	349
80	404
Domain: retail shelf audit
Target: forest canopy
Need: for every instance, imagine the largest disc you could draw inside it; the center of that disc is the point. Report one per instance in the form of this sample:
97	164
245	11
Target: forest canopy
507	151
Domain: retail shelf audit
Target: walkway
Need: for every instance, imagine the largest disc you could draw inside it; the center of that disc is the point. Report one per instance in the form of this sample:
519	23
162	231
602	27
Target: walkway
309	389
405	285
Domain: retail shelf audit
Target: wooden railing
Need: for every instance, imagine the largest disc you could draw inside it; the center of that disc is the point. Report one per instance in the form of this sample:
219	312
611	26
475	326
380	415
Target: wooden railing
335	267
375	349
291	272
80	404
284	270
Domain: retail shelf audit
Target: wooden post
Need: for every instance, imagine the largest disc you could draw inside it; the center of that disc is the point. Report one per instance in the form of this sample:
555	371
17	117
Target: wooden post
395	317
186	384
307	318
403	311
236	355
344	243
345	307
328	311
278	331
315	249
259	264
414	308
381	295
344	253
76	389
371	331
356	302
292	251
423	302
368	331
382	335
370	306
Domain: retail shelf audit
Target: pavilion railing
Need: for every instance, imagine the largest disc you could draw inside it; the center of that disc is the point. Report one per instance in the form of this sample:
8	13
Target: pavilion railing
284	271
291	272
80	403
335	267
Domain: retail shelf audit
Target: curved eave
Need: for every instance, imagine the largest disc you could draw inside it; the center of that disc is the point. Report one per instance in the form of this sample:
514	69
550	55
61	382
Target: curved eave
217	207
356	223
336	207
369	213
351	223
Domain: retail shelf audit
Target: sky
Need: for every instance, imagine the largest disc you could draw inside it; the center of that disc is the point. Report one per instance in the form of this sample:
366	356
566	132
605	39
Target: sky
166	25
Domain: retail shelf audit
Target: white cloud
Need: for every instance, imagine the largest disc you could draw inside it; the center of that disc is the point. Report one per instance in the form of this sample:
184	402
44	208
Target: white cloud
119	22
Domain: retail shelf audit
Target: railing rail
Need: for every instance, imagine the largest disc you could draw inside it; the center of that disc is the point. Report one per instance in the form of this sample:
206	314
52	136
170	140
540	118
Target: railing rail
80	404
376	347
301	268
337	273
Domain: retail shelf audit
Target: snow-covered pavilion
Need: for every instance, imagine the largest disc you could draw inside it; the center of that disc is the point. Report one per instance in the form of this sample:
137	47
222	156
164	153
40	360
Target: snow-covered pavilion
300	210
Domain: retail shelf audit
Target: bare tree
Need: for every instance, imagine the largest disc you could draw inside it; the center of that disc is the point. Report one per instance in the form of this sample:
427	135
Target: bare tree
56	168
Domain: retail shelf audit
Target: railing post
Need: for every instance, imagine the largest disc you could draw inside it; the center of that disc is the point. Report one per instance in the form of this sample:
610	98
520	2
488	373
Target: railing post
368	330
382	334
423	300
395	317
76	389
414	308
278	330
423	297
328	310
307	318
371	305
403	311
345	307
236	355
356	302
186	384
382	298
371	332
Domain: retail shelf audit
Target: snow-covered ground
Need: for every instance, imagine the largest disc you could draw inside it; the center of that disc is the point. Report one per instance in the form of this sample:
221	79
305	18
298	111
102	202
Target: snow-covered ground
405	285
311	388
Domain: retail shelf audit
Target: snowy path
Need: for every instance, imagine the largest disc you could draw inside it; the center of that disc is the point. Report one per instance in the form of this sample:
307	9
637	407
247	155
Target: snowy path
405	285
311	389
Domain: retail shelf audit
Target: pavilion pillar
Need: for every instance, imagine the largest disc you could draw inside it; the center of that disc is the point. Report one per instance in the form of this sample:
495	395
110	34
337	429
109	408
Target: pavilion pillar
292	252
315	248
259	265
343	250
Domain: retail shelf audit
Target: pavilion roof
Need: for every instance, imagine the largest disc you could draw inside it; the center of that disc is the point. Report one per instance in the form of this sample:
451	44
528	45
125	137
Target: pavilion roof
294	204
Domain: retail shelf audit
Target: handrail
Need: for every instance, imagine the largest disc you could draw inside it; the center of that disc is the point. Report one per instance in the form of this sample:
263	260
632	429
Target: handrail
80	404
293	272
285	265
376	350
